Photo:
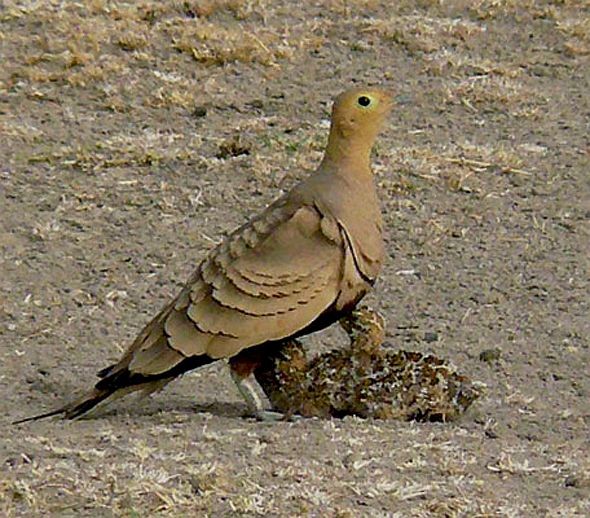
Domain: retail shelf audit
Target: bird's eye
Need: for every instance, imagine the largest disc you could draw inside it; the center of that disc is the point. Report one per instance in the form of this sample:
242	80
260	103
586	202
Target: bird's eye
364	101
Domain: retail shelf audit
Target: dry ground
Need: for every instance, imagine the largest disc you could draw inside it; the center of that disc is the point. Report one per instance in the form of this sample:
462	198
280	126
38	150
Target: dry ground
120	166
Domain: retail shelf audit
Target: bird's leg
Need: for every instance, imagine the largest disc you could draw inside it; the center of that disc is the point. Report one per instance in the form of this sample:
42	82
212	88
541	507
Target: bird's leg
242	369
251	392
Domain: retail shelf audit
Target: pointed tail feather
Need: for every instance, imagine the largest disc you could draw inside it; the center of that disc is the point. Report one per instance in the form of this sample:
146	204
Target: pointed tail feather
40	416
75	409
118	383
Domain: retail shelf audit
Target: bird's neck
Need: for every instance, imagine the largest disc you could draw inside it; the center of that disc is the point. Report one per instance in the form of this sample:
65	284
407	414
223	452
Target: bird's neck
348	152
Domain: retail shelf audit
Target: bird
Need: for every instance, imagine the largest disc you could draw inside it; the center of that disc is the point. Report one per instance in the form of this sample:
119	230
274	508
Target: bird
295	268
368	379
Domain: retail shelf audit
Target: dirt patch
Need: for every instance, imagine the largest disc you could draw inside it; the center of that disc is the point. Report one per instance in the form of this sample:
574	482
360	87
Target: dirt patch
123	129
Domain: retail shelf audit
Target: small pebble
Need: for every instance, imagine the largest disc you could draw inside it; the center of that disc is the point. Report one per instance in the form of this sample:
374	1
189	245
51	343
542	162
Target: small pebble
490	355
431	336
200	111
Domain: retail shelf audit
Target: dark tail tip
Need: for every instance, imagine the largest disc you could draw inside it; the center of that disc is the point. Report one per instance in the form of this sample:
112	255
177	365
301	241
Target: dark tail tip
75	409
40	416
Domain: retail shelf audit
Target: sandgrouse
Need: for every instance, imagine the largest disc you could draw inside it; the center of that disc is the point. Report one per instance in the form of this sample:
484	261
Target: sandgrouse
297	267
366	379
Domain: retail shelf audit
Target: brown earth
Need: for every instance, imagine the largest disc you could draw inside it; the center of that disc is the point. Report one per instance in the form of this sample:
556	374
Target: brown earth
120	167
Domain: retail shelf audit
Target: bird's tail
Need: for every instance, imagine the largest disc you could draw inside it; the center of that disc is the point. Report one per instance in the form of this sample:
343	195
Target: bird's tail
116	383
75	409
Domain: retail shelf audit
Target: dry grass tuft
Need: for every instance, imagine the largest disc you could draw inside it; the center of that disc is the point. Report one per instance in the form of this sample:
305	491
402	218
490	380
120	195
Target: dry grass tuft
463	167
491	9
449	62
422	34
577	32
496	93
144	149
88	44
212	44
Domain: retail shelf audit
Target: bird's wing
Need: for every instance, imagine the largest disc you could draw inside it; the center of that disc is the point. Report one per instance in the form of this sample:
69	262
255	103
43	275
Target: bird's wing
268	280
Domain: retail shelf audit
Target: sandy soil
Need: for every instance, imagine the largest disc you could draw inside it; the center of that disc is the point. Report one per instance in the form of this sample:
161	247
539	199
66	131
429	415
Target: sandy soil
120	168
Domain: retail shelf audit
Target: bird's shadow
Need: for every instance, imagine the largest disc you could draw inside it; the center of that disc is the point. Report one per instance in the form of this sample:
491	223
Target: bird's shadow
135	406
224	409
176	408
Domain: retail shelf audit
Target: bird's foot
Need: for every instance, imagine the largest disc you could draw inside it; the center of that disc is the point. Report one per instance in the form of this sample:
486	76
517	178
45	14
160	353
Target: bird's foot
269	416
255	399
272	416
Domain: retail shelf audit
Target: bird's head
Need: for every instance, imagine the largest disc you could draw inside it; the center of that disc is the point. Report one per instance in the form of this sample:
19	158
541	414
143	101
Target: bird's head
361	110
358	116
